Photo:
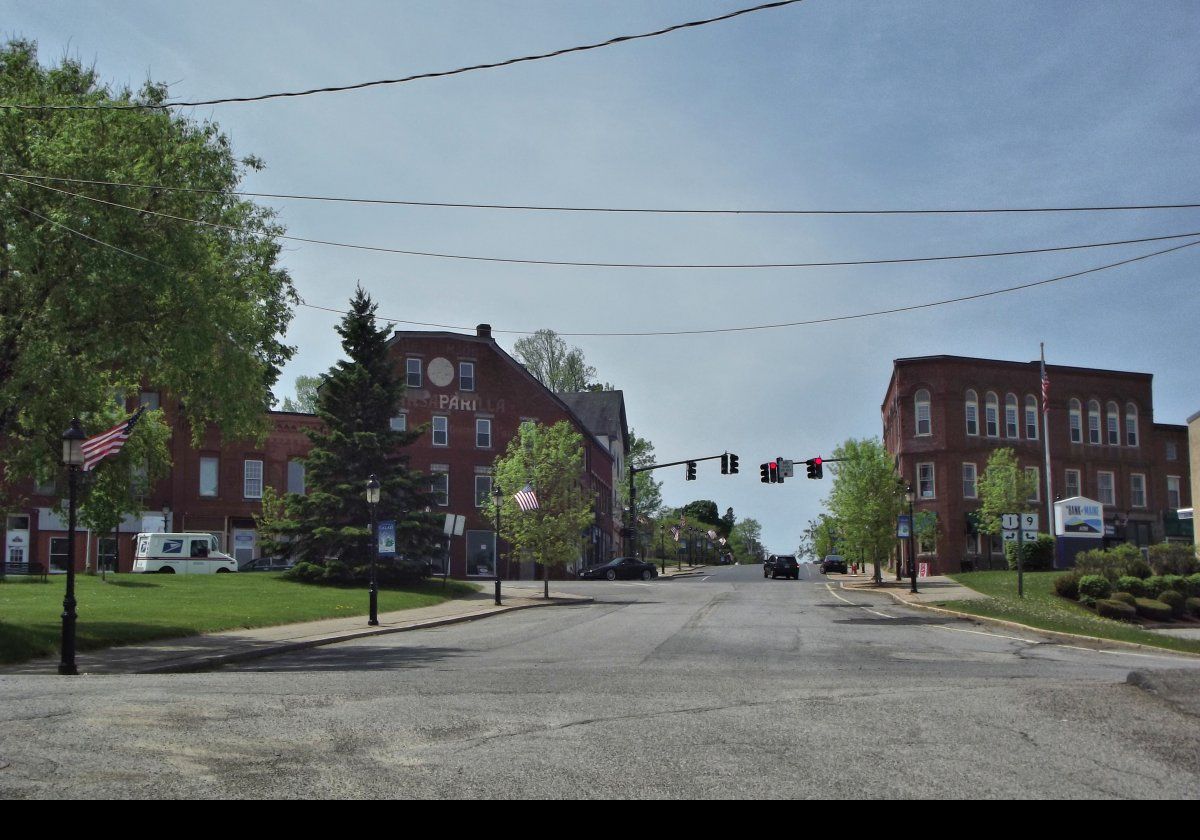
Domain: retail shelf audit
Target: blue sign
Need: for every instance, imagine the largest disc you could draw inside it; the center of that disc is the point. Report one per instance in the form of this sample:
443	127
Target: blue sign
904	526
387	538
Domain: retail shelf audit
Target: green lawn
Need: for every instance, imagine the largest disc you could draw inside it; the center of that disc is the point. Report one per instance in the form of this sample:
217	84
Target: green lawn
1043	609
135	608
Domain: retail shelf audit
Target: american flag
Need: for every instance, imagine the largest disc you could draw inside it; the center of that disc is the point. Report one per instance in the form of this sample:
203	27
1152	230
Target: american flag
99	447
1045	389
526	499
675	533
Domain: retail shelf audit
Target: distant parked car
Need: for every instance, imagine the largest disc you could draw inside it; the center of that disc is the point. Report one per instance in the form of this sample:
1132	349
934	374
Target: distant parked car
833	563
622	568
267	564
781	565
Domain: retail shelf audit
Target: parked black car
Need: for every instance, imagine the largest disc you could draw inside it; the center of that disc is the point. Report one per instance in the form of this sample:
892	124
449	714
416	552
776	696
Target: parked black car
781	565
833	563
622	568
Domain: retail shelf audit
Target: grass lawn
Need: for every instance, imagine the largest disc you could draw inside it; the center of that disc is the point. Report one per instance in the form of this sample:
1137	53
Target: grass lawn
1043	609
135	608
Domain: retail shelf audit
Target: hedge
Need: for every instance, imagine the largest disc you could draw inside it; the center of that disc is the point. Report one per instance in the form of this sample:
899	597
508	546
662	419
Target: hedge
1095	586
1156	610
1116	610
1067	585
1193	606
1123	597
1036	556
1175	601
1133	585
1193	585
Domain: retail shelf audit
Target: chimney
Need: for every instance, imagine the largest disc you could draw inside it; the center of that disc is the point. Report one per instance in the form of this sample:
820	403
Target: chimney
484	330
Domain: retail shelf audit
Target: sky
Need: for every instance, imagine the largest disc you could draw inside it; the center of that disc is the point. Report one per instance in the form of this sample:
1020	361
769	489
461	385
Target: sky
818	105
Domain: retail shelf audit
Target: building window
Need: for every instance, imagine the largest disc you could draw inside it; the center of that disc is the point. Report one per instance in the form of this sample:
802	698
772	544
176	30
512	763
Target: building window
972	412
483	434
1137	490
1131	424
295	478
1031	418
991	414
441	431
1174	499
439	486
466	376
1106	489
1172	451
925	485
1036	494
970	479
58	554
399	423
1112	424
208	476
149	399
1094	422
924	420
412	369
252	479
1011	422
483	490
1073	484
45	486
1076	413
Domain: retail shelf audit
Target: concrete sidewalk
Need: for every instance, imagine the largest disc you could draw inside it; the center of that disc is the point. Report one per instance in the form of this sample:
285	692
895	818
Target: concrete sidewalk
930	590
212	650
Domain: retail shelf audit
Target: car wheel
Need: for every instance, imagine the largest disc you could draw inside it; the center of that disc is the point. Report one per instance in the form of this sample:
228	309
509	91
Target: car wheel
222	571
646	575
611	574
166	570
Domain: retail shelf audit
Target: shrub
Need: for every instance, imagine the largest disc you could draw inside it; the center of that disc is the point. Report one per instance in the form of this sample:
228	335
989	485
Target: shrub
1116	610
1154	585
1178	583
1193	585
1123	597
1095	586
1193	606
1067	585
1035	556
1154	610
1175	601
1132	585
1138	568
1174	559
1088	601
1112	563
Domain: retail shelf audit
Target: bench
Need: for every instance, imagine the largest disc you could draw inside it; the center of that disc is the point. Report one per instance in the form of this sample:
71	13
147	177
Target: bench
25	569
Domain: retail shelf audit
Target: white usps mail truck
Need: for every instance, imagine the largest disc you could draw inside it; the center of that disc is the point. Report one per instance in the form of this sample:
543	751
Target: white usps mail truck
181	554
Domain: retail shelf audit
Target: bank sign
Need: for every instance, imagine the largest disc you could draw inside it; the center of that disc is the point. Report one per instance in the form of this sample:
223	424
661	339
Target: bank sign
1079	517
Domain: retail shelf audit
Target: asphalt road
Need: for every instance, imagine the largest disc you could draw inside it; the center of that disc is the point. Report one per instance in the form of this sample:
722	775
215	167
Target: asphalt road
719	685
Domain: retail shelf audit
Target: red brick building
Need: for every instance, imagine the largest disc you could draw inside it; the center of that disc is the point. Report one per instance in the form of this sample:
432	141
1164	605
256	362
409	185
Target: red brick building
943	416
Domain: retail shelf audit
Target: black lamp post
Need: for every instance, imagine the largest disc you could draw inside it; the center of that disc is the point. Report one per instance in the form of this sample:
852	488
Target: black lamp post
166	518
910	497
72	457
497	497
373	500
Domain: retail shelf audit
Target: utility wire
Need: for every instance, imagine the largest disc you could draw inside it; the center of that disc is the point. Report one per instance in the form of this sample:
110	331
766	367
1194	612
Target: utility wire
431	75
579	209
579	264
752	328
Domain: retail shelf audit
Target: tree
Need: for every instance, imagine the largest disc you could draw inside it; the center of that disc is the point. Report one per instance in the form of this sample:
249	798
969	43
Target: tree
865	500
1003	488
547	357
649	491
328	527
550	460
98	300
746	541
702	510
306	395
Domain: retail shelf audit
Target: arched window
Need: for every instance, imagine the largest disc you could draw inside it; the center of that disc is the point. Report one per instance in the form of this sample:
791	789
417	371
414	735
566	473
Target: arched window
924	420
1131	424
1076	422
1031	418
1094	422
1113	424
1011	421
991	414
972	409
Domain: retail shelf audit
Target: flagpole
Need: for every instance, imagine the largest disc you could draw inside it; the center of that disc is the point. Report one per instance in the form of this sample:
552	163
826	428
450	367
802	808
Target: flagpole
1046	440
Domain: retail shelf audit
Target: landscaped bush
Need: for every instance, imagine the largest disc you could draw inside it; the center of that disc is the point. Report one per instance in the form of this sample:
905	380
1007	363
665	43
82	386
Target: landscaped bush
1087	601
1112	563
1174	559
336	573
1178	583
1193	585
1116	610
1123	597
1095	586
1067	585
1193	607
1154	610
1154	585
1175	601
1130	584
1035	556
1138	568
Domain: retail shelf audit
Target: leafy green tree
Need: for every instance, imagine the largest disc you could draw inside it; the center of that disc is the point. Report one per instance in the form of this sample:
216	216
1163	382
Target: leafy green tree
556	366
550	460
702	511
827	535
196	311
865	500
1004	488
328	527
746	541
306	395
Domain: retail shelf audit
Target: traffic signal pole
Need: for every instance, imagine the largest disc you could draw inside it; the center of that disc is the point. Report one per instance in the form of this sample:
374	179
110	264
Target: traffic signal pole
633	471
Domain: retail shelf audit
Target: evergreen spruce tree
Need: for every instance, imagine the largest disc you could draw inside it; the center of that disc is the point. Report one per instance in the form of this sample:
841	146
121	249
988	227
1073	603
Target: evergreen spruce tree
328	528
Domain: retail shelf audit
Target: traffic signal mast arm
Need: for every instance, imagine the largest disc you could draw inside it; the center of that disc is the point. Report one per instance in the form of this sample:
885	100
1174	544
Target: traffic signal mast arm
633	471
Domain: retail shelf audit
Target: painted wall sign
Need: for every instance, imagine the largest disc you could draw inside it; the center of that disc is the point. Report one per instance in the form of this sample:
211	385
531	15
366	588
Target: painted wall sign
453	402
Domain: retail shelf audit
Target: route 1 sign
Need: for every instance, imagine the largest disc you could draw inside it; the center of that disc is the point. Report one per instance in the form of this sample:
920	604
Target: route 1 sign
1010	521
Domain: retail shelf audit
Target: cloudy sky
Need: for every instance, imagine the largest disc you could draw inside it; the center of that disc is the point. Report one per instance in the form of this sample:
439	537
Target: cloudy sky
819	105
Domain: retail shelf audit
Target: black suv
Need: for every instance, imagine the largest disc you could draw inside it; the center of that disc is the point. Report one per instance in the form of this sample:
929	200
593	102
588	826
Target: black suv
781	565
833	563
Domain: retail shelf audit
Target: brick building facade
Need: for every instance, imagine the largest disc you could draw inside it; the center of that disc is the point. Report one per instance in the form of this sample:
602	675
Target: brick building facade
943	416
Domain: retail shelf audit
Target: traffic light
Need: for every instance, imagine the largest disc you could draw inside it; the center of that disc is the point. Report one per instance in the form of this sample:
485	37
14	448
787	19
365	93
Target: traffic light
691	471
733	464
764	470
815	470
725	464
773	472
779	476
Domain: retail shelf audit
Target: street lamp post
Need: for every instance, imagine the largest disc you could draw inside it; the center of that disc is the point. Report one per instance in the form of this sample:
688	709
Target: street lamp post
166	518
497	497
372	501
910	497
72	457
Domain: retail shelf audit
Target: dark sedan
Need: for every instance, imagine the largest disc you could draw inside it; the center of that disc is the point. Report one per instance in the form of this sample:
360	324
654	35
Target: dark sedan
833	563
781	565
623	568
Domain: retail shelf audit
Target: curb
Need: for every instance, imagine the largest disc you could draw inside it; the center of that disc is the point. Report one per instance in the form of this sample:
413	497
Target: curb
1097	641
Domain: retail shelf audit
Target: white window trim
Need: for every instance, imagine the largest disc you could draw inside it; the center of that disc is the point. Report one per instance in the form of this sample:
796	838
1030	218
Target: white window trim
444	473
1035	425
971	401
433	429
399	423
408	372
991	405
462	365
1012	425
1037	484
1078	481
1178	491
1131	419
974	480
487	495
1112	485
1075	421
216	462
1095	424
247	478
1133	502
932	481
478	421
927	403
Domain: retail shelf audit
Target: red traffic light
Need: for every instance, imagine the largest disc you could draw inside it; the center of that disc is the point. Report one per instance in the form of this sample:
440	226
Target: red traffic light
817	461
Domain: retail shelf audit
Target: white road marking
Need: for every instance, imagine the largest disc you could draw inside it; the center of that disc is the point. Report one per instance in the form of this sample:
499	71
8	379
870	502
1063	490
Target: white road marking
851	603
983	633
633	584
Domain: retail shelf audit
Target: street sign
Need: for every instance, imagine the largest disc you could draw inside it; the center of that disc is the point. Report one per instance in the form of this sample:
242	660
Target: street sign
1010	536
1029	536
455	525
786	468
904	526
1010	521
1029	522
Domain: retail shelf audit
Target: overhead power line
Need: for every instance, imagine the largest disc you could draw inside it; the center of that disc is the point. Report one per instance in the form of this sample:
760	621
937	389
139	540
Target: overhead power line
584	264
594	209
430	75
647	333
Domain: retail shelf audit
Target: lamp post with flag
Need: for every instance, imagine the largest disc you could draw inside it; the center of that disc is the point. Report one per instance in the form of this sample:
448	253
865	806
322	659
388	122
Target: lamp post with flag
74	459
372	502
527	501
